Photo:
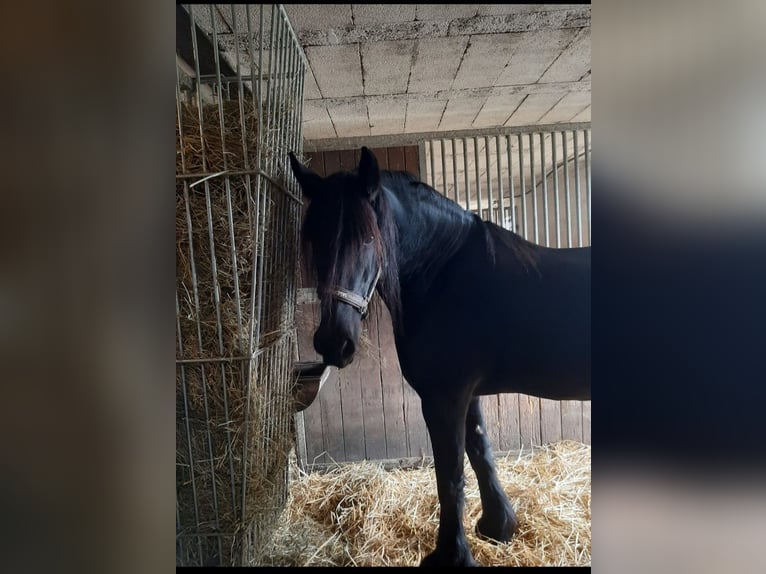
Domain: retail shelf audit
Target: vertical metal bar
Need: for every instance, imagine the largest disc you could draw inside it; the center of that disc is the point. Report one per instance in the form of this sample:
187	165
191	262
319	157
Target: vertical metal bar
295	103
255	81
577	189
491	214
556	189
281	153
432	179
256	294
511	190
587	179
534	186
214	262
200	118
522	184
444	169
478	178
501	200
187	428
179	115
467	177
567	197
545	191
454	171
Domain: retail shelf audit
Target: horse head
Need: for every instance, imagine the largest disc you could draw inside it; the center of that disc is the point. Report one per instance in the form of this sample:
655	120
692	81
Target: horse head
342	244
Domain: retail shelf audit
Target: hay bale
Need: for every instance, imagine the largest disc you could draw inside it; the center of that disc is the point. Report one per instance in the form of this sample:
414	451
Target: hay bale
233	388
360	514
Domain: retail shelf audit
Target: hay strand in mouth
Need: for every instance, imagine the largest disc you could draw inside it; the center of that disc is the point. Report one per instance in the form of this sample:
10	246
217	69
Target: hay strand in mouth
360	514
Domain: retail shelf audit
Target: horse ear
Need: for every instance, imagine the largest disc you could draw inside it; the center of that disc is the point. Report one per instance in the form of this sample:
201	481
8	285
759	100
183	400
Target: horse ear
369	173
308	180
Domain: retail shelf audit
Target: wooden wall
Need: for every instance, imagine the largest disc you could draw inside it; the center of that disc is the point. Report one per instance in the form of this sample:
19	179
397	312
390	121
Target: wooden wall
368	411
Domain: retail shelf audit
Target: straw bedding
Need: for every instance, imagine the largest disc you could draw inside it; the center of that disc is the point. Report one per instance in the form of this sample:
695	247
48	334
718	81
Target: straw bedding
362	515
227	414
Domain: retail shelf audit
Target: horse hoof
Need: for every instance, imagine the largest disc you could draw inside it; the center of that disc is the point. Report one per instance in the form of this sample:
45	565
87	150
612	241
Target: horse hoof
497	530
434	559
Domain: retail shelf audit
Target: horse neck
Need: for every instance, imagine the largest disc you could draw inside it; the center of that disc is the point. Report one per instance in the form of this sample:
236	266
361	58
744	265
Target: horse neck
431	229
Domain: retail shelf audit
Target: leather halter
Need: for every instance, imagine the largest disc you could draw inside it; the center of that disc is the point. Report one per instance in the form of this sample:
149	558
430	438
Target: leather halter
356	301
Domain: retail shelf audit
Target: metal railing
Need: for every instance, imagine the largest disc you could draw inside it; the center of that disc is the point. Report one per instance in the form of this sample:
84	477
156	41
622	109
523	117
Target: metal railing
536	183
239	110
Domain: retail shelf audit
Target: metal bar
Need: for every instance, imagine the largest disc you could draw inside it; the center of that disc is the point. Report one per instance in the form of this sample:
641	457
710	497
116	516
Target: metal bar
577	189
478	178
587	178
257	262
255	87
511	190
193	25
557	207
534	186
281	151
522	185
491	208
501	200
235	172
230	217
467	177
422	162
566	189
444	170
454	171
545	191
184	393
293	36
432	175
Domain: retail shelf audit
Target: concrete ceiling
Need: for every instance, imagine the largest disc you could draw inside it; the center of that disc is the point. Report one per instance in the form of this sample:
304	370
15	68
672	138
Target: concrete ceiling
389	70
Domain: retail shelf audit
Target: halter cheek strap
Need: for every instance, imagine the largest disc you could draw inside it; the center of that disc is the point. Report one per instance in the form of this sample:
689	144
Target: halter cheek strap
356	301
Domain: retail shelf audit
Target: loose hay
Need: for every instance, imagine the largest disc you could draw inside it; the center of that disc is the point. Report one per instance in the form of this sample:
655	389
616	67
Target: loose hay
229	491
362	515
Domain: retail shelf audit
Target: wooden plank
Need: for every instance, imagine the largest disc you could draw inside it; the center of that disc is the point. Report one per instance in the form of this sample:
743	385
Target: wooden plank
491	420
372	391
529	421
313	420
571	420
396	158
508	416
316	161
347	159
411	160
391	383
331	162
352	411
417	433
381	154
332	419
586	422
550	421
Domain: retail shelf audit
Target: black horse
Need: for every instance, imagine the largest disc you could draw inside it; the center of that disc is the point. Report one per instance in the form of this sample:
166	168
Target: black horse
475	308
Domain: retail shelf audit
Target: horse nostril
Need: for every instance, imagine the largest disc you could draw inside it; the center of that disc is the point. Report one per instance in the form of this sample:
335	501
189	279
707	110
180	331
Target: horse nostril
347	349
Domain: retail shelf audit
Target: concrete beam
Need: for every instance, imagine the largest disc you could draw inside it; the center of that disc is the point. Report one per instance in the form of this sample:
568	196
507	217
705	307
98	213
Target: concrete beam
314	34
419	137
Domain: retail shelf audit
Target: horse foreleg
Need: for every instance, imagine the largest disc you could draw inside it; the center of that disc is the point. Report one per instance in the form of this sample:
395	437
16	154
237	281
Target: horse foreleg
445	422
498	521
